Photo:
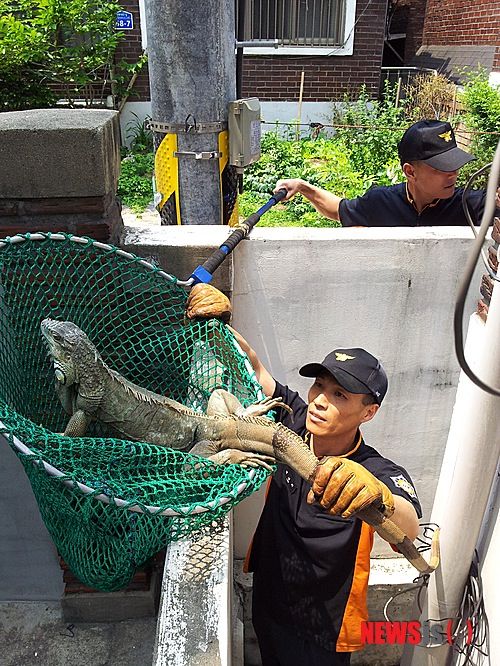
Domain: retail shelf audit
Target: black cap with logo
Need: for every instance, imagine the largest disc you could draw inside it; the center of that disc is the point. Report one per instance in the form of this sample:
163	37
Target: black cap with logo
432	142
354	369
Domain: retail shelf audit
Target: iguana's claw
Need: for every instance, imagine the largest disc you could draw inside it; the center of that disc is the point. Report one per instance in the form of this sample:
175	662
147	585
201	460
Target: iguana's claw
264	406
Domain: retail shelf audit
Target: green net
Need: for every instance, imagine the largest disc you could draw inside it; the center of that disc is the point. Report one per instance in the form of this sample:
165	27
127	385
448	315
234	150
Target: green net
111	504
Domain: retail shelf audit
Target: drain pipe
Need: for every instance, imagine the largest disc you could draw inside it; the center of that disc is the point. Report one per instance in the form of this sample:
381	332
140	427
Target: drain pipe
467	474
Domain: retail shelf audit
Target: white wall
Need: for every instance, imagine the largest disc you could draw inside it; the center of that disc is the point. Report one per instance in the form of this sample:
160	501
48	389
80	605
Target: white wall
299	293
283	112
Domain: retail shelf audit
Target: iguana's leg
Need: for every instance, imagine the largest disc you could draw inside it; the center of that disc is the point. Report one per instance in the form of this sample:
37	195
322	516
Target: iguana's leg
223	403
264	406
210	450
78	424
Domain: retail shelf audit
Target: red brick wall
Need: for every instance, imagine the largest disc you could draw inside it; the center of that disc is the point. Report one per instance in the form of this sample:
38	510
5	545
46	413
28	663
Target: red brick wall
466	22
326	77
130	50
414	28
278	77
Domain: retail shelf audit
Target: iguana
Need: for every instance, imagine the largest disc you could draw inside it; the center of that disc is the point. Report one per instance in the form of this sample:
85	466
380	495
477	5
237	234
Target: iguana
227	433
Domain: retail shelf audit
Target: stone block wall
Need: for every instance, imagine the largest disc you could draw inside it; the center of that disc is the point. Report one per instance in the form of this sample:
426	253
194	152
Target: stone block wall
60	171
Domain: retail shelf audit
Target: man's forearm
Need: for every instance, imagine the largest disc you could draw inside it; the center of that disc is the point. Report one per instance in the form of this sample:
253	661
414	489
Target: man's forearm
325	202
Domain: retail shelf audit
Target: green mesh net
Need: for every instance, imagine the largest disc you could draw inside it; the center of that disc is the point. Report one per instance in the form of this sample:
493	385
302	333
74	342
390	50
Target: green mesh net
111	504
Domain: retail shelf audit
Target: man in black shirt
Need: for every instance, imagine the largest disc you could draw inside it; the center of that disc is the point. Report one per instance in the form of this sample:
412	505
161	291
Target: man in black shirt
430	159
310	555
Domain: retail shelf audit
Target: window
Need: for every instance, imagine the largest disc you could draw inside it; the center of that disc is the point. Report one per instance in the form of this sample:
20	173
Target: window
301	26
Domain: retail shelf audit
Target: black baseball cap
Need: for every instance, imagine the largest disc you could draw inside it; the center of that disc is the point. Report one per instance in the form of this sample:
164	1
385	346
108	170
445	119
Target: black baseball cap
354	369
432	142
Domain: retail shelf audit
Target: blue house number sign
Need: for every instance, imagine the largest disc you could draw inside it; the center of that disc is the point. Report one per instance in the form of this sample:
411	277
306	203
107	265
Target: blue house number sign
124	21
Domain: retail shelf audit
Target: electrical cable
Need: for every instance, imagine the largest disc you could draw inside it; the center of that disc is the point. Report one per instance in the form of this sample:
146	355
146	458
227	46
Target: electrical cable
470	637
341	46
465	206
488	215
378	127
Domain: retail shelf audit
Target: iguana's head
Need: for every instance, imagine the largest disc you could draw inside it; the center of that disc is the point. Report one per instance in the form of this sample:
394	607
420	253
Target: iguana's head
67	345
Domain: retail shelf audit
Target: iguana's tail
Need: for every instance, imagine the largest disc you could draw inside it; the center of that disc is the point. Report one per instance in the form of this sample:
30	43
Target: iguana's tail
299	457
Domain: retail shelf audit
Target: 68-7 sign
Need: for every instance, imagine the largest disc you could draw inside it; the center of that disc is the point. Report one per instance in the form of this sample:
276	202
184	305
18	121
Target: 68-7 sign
124	20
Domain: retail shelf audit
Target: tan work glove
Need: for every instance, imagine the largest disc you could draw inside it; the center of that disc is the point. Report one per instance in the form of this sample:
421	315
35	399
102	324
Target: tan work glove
343	487
207	302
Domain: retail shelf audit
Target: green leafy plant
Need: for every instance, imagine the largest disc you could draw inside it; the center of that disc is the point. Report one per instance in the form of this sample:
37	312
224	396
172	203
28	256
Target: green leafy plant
139	136
135	187
63	46
481	103
370	131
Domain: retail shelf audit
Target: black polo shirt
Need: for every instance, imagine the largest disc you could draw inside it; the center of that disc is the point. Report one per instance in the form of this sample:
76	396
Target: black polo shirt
392	207
311	568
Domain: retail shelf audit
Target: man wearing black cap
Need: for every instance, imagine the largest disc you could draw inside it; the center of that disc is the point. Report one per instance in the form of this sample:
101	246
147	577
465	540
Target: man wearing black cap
310	555
430	159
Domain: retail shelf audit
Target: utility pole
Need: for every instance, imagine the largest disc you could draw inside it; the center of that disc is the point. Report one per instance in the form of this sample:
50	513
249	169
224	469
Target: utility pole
192	71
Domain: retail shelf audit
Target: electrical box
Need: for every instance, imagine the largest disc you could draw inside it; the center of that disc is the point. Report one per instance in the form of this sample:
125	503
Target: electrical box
244	132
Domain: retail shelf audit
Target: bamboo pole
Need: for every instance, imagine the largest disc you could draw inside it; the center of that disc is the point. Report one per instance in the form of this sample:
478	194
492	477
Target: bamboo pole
301	92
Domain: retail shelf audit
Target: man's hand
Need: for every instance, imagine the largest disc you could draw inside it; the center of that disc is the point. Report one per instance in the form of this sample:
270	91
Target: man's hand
207	302
343	487
292	187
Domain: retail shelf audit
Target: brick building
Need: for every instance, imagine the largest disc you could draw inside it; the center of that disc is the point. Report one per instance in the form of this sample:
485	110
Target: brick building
449	35
336	44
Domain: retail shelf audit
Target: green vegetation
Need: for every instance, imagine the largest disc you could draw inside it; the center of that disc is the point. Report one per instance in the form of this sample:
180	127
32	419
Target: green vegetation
135	187
349	163
51	49
362	152
481	114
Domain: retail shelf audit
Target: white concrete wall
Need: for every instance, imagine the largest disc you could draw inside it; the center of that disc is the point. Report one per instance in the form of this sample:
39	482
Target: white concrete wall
299	293
271	112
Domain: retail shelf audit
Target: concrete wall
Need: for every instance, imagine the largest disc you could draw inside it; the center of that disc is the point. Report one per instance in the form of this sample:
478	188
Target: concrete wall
298	293
62	175
29	567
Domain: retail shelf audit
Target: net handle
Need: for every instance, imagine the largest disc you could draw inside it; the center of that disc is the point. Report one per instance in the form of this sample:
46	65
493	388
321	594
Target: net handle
205	271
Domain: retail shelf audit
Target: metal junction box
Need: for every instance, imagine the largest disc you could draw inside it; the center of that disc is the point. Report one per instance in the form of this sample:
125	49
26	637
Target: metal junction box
244	132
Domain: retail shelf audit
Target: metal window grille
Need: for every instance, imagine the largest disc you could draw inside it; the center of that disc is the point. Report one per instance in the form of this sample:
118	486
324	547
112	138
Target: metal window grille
296	22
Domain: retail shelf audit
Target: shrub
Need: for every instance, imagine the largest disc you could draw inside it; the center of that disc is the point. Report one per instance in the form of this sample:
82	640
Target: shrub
481	104
429	96
50	45
135	183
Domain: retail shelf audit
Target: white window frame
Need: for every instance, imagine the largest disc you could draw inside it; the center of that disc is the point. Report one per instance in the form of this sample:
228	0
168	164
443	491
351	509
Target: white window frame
347	48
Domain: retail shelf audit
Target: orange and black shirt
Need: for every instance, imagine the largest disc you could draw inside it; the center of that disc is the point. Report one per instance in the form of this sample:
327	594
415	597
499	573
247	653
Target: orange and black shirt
310	568
393	207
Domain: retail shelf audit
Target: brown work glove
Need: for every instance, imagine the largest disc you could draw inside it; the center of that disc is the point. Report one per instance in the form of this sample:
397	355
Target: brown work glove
343	487
207	302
